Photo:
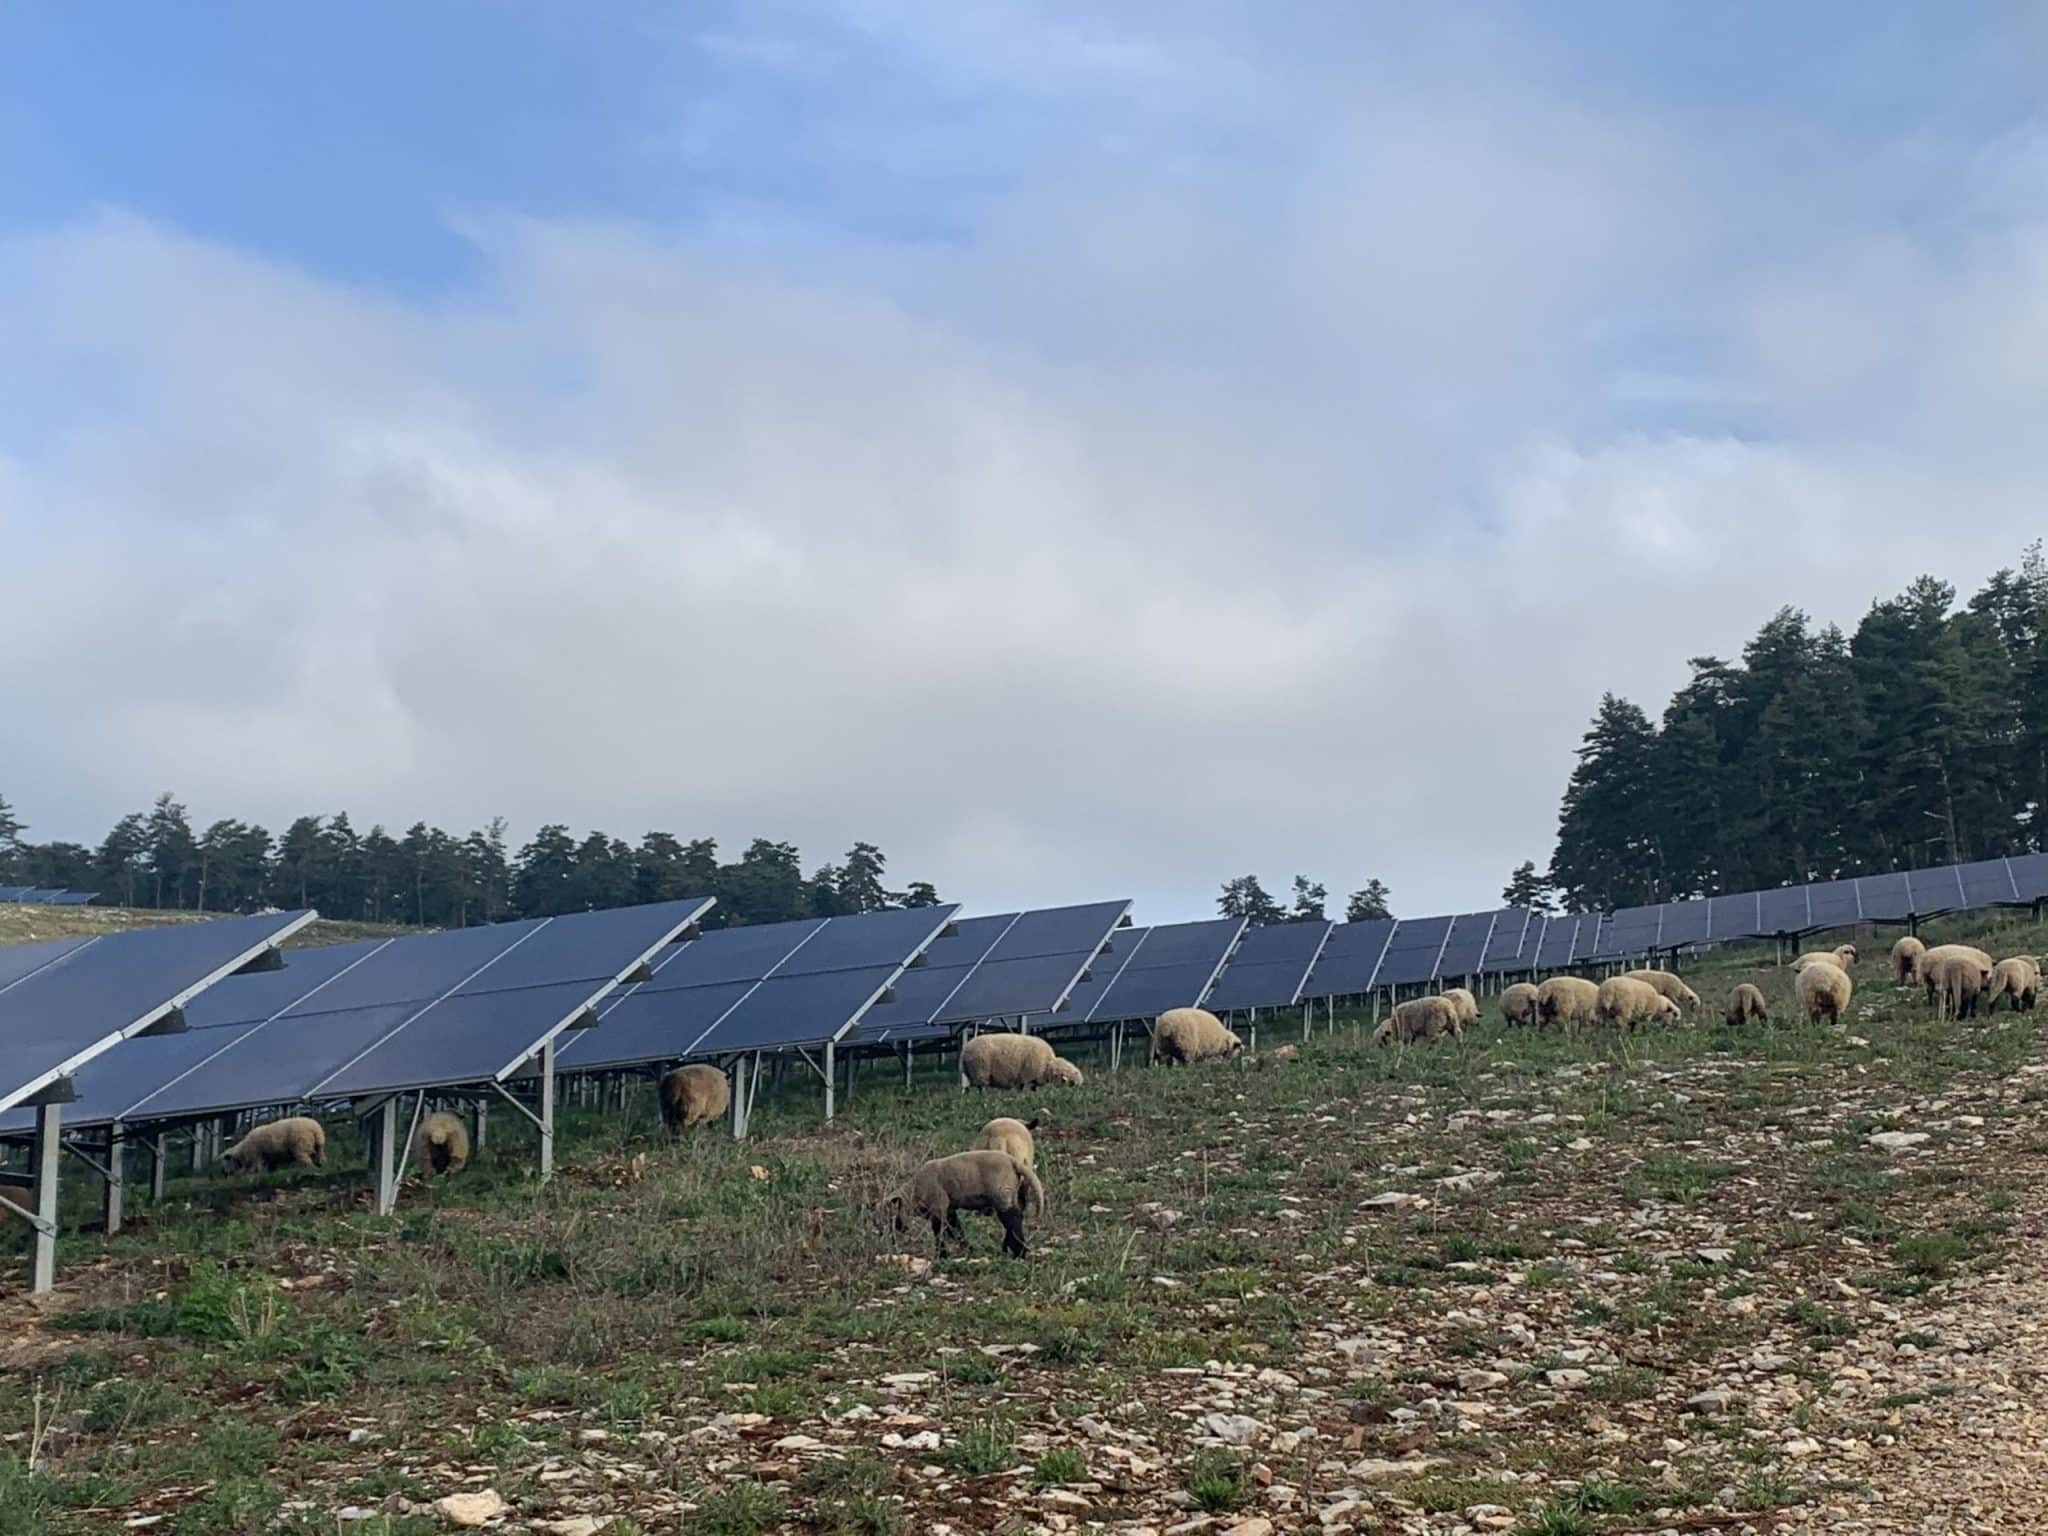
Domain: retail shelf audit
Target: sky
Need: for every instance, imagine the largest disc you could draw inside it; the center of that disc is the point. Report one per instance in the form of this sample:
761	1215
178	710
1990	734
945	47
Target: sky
1090	452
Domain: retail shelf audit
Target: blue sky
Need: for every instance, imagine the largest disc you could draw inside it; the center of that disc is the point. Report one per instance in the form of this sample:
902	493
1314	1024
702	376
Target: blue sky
1077	449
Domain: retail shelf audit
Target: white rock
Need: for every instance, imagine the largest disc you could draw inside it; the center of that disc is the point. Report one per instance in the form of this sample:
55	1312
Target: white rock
1711	1401
471	1508
1898	1141
575	1525
1570	1378
1393	1200
1258	1525
1373	1467
1474	1380
1801	1447
1230	1428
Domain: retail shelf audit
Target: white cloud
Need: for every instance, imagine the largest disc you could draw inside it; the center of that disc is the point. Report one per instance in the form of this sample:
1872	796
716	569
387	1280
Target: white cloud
1150	537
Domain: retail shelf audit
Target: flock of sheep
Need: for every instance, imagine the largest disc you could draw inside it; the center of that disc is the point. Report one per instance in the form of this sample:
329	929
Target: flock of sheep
439	1145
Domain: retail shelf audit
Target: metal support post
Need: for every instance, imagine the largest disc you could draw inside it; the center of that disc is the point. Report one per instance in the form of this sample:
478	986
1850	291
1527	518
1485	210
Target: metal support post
831	1075
739	1099
117	1156
547	1111
49	1149
384	1156
157	1154
905	1048
483	1119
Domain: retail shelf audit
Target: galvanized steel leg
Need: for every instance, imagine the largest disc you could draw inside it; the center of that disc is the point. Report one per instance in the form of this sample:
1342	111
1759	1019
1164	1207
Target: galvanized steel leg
157	1153
49	1150
483	1119
384	1156
547	1111
117	1154
906	1063
831	1083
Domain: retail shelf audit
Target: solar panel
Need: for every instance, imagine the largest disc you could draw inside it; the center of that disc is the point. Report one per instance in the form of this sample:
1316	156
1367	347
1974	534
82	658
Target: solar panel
1685	922
1350	960
1629	932
1269	966
1733	917
2029	876
354	1021
773	986
1554	944
1170	966
1465	945
1413	951
1783	911
1511	946
1885	898
1987	883
1833	904
62	1005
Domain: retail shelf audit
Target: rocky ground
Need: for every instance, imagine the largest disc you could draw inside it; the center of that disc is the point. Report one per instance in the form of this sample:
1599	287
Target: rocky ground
1787	1281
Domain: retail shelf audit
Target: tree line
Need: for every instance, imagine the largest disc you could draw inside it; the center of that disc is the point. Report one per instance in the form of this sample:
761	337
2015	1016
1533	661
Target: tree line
1245	897
432	878
1920	739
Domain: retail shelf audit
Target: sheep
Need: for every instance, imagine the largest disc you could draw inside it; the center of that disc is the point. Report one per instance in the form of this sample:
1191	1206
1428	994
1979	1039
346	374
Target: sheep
1906	956
1842	956
1466	1004
2018	979
1746	1003
1518	1003
1823	989
1623	1002
1667	984
1187	1035
981	1180
1285	1054
1420	1018
692	1096
441	1144
1566	1000
1956	976
1013	1061
1003	1134
1063	1073
301	1140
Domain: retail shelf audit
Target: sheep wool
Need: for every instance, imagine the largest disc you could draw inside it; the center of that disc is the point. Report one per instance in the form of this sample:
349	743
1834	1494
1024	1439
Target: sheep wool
1003	1134
441	1144
1623	1002
1518	1003
1013	1061
1842	956
992	1182
1567	1000
2017	979
300	1140
1956	977
1906	957
1186	1035
1418	1019
691	1096
1823	990
1466	1004
1666	984
1746	1004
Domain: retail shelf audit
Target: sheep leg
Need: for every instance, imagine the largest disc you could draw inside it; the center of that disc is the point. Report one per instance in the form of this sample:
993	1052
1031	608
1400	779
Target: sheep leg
1013	1234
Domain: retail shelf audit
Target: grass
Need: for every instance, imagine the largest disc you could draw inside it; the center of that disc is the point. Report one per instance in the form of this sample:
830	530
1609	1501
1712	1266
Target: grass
217	1352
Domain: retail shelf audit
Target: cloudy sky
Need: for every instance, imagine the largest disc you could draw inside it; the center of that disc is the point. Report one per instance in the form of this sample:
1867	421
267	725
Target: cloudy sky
1087	450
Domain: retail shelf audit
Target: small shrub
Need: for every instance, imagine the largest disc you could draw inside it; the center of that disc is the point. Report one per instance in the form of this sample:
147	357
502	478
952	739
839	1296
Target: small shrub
1216	1481
740	1509
985	1446
1060	1465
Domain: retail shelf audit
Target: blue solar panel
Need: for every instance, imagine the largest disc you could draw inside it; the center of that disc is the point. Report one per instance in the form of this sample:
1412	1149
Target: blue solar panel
1783	911
1512	944
1833	904
469	1037
1684	922
800	1010
1413	951
1466	945
60	1010
252	998
1269	967
1630	932
1733	917
2030	876
1170	966
1987	883
1885	898
21	960
733	954
640	1025
1351	959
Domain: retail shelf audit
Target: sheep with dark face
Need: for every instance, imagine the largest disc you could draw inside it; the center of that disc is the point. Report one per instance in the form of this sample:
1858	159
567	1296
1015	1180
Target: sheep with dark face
1623	1002
994	1182
693	1096
441	1144
1466	1004
1906	957
1842	956
1188	1035
1666	984
2016	979
298	1141
1746	1005
1518	1004
1956	977
1419	1019
1567	1000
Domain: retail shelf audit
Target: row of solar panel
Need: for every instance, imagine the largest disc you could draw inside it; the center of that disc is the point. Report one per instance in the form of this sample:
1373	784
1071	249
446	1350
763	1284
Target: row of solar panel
41	896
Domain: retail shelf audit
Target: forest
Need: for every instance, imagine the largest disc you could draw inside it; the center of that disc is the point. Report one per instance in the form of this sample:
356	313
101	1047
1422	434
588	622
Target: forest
1920	739
428	877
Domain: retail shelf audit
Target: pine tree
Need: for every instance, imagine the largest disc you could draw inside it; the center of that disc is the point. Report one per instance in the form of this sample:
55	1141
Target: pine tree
1244	897
120	859
1309	901
172	852
1369	903
544	874
765	886
922	893
1527	889
1606	849
860	880
13	853
298	868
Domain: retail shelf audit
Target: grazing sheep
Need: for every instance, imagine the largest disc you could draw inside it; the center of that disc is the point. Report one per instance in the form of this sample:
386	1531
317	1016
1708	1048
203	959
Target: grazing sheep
1666	984
691	1096
1906	956
1623	1002
1003	1134
1518	1003
994	1182
1188	1035
1956	981
301	1140
2017	979
1823	989
1746	1004
1842	956
1466	1004
441	1144
1420	1018
1567	1000
1063	1074
1014	1061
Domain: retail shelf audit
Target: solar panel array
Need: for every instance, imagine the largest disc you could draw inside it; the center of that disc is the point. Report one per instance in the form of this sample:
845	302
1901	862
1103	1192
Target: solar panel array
1007	966
68	1002
1269	967
41	896
356	1020
1170	966
775	986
